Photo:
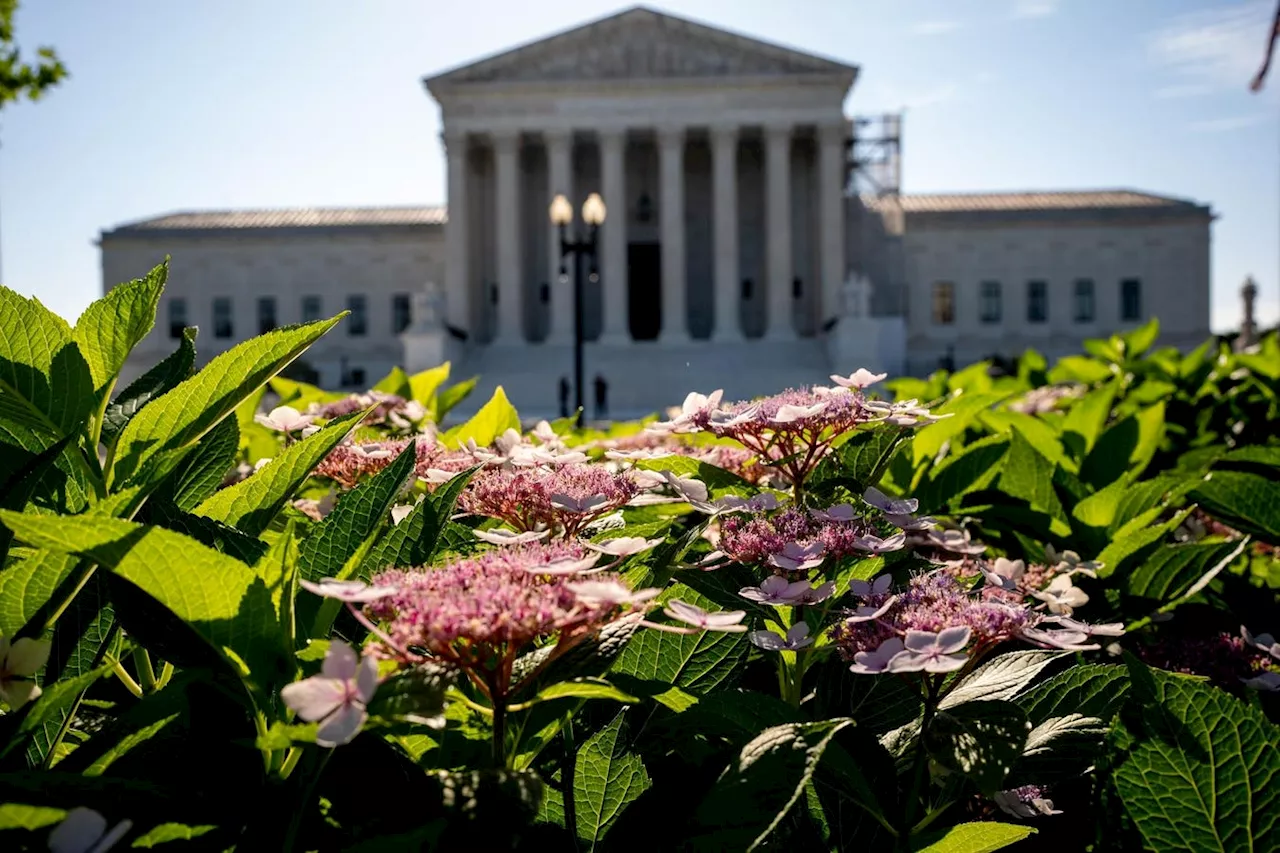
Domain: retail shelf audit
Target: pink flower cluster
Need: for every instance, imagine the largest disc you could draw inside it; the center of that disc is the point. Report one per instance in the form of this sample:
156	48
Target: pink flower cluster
347	464
952	622
792	431
471	611
772	539
565	499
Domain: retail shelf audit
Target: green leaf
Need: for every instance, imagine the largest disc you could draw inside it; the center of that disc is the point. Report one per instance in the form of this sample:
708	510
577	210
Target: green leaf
27	582
1125	449
981	739
607	777
165	376
1028	476
222	599
51	703
44	381
396	382
300	395
1140	339
19	816
182	415
1247	501
1096	690
1042	436
1079	368
862	459
111	327
981	837
1172	570
494	418
452	396
1132	542
1198	768
763	783
697	663
1000	677
1085	420
252	503
417	538
355	520
279	571
964	410
585	688
973	468
167	832
424	384
202	470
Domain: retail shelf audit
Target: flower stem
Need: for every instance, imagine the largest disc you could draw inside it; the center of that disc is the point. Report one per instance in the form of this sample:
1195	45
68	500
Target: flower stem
919	780
500	734
146	673
567	766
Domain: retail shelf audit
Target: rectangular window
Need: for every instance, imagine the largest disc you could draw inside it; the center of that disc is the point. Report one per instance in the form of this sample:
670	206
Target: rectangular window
311	309
1084	300
266	314
992	304
177	317
1037	302
1130	300
401	313
944	303
222	326
358	322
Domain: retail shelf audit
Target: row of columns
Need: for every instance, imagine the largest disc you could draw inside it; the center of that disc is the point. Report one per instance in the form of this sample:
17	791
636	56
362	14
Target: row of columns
671	227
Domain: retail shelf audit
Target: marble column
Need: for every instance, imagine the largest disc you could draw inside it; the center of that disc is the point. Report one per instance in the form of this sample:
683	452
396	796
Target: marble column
831	211
613	236
724	179
671	227
458	297
506	156
559	181
777	204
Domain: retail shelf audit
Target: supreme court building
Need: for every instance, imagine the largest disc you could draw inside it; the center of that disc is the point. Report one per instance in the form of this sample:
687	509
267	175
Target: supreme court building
736	252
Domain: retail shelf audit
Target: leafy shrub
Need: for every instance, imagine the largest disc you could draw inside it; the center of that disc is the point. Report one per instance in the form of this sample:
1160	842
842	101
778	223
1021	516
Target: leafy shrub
331	623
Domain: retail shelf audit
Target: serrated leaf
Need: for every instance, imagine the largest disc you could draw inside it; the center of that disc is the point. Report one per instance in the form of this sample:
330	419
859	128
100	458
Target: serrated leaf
973	468
1125	448
494	418
981	739
607	776
1028	476
417	538
27	582
1247	501
1097	690
251	504
1172	570
214	534
964	410
112	326
165	376
764	782
202	470
222	599
585	688
1000	677
181	416
356	518
1200	769
697	663
982	837
51	703
44	380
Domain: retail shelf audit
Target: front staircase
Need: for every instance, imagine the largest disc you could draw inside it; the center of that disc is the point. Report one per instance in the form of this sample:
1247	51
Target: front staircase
642	377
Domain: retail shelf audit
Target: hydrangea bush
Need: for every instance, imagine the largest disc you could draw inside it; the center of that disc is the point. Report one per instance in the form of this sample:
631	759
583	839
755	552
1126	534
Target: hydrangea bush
1018	608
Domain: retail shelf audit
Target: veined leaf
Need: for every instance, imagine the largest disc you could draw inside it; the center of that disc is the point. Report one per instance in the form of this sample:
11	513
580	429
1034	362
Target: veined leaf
1197	768
183	415
1000	677
251	504
697	663
973	468
764	782
417	538
964	410
1027	475
54	699
44	380
980	739
27	583
1247	501
1125	449
202	470
1097	690
112	326
1171	570
607	777
221	598
165	376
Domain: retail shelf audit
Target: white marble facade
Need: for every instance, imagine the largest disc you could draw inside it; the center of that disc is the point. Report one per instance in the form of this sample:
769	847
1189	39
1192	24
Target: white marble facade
733	254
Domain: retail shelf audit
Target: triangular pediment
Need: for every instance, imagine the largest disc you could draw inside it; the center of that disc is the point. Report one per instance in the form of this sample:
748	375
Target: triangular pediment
639	44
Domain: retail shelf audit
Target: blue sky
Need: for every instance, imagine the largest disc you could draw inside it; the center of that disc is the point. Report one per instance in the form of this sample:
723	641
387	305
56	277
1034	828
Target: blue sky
277	103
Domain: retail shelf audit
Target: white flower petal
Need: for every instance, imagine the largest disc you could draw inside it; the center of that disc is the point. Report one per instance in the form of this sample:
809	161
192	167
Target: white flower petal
341	726
314	698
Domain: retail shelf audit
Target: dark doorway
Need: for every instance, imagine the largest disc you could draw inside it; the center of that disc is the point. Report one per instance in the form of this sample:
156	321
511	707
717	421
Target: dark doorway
644	290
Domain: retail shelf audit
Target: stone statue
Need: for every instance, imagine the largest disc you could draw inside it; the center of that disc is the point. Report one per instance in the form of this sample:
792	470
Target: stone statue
1249	324
428	310
855	296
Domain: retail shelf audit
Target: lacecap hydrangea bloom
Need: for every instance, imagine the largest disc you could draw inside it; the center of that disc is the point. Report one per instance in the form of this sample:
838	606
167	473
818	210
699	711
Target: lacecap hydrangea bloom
566	498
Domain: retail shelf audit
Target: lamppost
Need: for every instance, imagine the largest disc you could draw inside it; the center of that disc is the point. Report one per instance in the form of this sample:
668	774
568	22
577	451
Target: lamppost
593	213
